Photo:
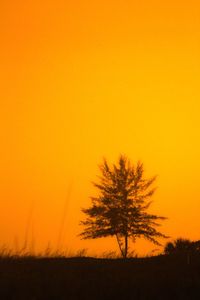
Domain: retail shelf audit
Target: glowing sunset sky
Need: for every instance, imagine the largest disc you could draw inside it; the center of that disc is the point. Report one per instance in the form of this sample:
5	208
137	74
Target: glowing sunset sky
81	80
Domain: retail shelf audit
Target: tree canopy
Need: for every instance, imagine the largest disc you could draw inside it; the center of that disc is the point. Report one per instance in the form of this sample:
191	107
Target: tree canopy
120	209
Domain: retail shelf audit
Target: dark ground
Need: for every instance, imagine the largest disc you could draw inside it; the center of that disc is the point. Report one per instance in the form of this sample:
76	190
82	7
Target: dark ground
161	277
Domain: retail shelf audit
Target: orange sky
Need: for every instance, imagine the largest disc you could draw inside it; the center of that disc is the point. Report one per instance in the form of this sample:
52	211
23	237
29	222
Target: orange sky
80	80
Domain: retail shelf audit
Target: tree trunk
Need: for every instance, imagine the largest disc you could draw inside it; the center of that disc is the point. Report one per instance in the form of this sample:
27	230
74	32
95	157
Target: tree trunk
123	250
119	244
126	246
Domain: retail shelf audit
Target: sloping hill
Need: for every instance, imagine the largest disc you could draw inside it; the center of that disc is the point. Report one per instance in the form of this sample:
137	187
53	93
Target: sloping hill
161	277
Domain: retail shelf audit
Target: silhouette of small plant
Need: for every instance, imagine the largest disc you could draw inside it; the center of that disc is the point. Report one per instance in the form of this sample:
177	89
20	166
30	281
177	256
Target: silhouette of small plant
81	253
181	245
109	255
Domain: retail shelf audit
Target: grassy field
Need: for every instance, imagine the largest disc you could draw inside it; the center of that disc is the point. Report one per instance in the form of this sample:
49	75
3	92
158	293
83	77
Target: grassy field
161	277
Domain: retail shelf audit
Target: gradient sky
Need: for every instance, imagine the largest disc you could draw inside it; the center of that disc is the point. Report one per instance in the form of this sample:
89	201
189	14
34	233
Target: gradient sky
83	80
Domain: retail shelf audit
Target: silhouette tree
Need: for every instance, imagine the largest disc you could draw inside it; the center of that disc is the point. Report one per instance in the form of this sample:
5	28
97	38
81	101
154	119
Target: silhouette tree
183	248
120	209
181	245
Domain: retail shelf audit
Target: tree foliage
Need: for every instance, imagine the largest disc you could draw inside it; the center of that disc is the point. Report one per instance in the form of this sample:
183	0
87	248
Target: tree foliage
120	209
